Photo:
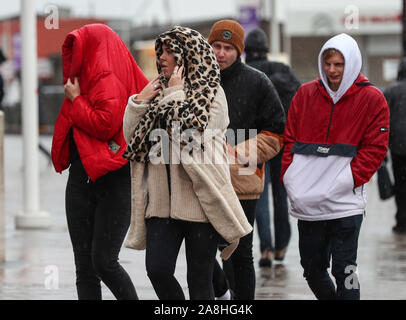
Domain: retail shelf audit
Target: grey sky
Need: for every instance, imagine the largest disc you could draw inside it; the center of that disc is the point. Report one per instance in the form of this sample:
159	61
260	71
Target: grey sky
147	11
140	11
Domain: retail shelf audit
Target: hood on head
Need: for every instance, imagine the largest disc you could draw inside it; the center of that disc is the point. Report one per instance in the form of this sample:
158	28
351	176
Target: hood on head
256	45
95	50
353	63
83	46
72	56
192	50
256	40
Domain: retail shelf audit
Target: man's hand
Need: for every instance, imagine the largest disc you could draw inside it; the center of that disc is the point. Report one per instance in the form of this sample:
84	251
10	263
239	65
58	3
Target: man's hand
72	90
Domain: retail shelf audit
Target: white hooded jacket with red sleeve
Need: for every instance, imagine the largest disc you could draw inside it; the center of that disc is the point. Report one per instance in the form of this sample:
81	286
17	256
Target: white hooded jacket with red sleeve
334	141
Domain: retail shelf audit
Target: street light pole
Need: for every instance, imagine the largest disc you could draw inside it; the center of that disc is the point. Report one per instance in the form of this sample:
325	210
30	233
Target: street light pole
31	217
275	41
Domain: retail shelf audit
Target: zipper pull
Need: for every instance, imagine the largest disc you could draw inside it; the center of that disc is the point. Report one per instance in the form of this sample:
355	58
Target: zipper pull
88	179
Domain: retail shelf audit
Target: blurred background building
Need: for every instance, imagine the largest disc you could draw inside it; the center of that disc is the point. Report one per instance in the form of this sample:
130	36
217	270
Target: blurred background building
298	29
376	25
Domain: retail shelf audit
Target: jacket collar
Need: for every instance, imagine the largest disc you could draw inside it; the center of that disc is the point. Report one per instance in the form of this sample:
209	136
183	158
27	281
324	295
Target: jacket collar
357	85
226	73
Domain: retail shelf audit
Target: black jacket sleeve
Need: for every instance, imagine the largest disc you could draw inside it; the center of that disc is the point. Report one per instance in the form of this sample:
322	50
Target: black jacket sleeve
270	113
1	90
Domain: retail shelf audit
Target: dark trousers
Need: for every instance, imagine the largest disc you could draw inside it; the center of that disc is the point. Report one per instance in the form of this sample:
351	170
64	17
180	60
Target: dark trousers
98	216
399	172
320	241
239	269
164	239
281	224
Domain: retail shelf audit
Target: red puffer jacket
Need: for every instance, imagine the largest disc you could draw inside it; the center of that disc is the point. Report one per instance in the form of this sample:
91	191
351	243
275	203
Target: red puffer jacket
108	75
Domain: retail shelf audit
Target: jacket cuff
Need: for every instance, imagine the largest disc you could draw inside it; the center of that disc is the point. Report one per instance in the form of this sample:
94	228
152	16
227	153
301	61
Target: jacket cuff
139	103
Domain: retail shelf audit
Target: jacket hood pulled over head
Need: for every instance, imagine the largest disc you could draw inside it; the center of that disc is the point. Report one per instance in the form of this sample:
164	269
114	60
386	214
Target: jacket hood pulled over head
202	80
194	52
96	49
353	62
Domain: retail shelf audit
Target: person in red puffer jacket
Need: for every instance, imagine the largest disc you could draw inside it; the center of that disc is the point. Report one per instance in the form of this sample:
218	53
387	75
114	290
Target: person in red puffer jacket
99	74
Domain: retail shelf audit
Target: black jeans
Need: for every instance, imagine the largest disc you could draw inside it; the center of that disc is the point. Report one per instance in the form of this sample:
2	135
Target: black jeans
164	239
239	271
320	241
399	172
98	216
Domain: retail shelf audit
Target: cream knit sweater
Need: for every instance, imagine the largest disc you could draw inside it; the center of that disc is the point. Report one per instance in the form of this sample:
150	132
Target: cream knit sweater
199	192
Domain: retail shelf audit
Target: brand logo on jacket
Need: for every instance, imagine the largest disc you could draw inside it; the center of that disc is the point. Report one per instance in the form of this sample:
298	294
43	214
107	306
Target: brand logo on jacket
323	149
383	129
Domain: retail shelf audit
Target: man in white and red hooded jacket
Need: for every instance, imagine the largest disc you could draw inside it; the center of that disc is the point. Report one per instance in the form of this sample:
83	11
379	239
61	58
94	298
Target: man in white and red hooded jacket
336	137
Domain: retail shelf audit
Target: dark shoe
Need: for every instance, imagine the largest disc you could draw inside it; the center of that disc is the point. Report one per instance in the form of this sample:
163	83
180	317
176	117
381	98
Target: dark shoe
265	263
266	259
399	230
280	254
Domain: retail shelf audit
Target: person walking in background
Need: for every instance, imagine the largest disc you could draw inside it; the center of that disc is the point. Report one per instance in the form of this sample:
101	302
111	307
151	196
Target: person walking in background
2	60
396	97
253	103
99	74
177	197
286	84
336	137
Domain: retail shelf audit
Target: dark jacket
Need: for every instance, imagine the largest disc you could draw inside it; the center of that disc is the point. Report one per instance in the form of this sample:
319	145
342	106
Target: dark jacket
2	59
253	103
396	97
285	82
1	91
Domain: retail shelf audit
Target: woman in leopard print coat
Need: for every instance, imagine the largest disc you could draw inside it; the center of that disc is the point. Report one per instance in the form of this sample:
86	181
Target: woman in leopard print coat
178	190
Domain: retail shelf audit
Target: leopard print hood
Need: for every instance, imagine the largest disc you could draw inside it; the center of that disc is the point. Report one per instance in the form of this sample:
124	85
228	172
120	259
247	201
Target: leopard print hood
202	79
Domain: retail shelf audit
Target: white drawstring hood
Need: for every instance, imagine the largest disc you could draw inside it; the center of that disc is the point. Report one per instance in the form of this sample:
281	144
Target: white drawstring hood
353	62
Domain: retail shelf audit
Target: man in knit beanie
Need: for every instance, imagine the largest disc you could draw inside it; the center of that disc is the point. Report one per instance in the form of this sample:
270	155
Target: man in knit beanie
255	110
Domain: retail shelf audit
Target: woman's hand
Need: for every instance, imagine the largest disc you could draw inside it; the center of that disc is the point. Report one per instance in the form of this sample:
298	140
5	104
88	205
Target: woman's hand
177	77
72	90
150	91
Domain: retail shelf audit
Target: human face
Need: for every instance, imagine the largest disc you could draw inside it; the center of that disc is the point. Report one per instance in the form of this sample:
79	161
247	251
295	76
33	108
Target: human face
334	69
167	60
226	53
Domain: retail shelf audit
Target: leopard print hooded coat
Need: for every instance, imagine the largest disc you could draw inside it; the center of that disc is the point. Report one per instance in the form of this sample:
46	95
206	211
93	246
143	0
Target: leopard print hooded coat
202	80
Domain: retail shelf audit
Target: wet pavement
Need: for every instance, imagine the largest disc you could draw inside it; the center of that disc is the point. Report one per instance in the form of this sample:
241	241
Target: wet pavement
39	263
